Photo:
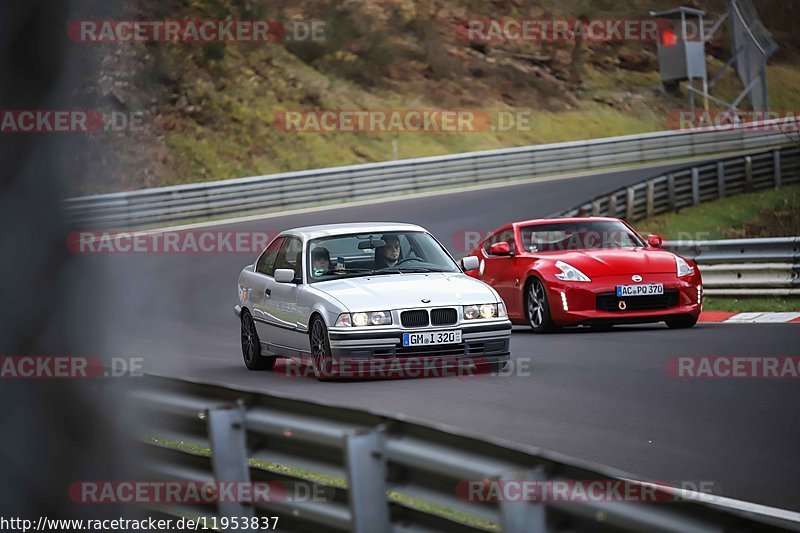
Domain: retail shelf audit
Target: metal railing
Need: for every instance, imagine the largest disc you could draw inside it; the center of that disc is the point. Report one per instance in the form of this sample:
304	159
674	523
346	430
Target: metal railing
397	475
148	207
745	267
695	184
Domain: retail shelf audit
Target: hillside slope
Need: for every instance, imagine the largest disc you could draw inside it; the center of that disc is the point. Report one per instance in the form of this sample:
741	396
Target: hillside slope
208	109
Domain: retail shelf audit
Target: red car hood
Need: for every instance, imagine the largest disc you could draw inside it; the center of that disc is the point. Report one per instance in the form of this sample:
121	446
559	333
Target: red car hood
596	263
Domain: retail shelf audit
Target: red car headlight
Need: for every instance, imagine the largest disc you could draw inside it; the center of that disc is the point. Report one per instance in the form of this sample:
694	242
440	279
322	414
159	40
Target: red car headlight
570	273
683	268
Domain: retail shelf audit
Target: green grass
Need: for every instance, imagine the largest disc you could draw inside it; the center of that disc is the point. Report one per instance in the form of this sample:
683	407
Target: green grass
752	304
768	213
278	468
332	481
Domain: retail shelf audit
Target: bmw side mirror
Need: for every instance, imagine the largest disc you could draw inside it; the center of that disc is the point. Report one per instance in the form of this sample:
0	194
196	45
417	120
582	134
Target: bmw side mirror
654	241
470	262
284	275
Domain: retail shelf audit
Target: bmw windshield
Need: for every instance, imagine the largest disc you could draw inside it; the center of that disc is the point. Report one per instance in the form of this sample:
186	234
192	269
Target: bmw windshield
369	254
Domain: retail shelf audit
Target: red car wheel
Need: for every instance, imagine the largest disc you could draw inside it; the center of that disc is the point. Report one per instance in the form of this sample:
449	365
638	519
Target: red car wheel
537	307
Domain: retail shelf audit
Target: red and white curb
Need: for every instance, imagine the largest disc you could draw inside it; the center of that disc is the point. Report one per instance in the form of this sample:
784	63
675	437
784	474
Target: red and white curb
749	318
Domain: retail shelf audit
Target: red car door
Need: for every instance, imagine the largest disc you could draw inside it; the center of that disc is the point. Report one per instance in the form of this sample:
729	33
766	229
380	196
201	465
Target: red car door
499	271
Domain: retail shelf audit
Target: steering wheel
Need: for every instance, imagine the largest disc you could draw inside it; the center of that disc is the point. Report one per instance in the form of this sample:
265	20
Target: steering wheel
407	259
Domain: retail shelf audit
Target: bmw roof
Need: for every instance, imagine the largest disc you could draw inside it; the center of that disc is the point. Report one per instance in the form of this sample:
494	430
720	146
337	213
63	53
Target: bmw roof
328	230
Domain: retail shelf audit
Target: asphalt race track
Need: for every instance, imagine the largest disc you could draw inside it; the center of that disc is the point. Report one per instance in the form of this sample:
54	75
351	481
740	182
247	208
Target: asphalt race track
605	397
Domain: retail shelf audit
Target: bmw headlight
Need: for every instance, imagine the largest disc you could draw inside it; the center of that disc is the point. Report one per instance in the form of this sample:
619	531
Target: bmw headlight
488	310
471	312
570	273
370	318
683	267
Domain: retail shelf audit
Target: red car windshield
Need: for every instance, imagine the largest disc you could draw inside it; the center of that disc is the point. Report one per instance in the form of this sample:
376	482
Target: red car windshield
560	236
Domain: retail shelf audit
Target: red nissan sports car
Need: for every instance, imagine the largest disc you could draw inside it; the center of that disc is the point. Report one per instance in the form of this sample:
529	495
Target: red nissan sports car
587	271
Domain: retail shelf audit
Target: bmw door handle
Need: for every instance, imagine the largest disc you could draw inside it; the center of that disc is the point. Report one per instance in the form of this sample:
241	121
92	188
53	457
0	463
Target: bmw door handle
267	292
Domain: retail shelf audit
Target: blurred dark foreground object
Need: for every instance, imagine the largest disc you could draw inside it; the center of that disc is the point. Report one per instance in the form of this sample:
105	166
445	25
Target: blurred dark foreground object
54	431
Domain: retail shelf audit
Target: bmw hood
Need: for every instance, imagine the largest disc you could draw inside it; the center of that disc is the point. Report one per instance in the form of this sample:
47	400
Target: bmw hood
597	263
404	291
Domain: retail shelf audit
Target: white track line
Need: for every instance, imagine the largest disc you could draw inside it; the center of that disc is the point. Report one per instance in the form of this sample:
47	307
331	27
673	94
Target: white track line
762	318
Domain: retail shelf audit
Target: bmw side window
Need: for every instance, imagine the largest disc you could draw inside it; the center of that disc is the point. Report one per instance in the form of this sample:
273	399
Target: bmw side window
266	263
290	255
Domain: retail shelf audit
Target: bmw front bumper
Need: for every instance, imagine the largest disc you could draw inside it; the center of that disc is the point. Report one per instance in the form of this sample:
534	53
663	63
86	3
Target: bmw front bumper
481	343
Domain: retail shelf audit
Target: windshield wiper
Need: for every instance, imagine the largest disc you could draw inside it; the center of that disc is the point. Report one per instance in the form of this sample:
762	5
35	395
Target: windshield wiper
368	271
387	271
380	271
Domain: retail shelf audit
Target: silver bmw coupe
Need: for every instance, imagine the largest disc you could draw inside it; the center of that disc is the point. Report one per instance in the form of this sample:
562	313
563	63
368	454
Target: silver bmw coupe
346	299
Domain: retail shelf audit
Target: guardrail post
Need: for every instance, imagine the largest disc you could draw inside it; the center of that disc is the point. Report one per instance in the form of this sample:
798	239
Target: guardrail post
776	165
651	194
351	186
282	191
523	516
415	181
226	432
720	179
596	208
695	185
207	204
612	205
671	192
748	173
630	203
129	214
365	460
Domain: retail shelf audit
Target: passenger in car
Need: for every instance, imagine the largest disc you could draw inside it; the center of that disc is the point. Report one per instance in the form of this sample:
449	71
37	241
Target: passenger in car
320	261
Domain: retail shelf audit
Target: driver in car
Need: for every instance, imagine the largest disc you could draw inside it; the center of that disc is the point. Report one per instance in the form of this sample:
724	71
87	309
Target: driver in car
389	255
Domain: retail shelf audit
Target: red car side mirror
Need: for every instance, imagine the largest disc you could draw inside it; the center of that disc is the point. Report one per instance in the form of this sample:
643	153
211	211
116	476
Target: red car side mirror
654	241
500	248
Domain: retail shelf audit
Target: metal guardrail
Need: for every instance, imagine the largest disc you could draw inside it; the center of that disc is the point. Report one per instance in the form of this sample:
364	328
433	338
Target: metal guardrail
745	267
695	184
381	456
127	210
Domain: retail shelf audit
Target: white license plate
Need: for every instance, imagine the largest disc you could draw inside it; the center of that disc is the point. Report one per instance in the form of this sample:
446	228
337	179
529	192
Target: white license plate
426	338
640	290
